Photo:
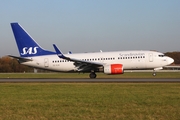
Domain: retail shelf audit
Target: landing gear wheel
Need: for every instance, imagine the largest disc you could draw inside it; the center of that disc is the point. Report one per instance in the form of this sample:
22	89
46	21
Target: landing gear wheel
92	75
154	74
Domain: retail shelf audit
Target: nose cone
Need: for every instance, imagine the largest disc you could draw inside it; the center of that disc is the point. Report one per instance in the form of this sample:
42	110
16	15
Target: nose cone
170	60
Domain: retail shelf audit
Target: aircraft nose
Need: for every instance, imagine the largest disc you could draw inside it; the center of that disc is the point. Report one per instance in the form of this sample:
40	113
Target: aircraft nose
170	60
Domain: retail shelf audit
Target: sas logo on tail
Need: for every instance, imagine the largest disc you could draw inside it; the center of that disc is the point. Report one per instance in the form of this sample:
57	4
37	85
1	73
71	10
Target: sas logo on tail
31	50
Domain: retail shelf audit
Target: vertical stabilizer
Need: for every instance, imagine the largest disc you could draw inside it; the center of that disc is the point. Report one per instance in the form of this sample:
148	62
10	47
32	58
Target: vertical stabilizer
27	46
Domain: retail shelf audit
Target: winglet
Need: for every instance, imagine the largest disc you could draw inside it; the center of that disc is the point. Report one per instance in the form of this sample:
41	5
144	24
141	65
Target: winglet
58	52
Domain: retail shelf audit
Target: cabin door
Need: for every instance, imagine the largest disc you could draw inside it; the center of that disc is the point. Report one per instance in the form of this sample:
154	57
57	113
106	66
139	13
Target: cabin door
46	62
150	57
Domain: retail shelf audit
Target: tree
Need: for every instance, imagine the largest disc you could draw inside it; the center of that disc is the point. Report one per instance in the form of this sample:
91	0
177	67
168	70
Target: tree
8	64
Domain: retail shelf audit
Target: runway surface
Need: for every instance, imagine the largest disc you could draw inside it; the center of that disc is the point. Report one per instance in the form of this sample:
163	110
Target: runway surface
87	80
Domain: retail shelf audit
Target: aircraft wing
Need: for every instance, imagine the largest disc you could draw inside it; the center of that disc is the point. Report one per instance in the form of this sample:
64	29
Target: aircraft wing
80	64
21	59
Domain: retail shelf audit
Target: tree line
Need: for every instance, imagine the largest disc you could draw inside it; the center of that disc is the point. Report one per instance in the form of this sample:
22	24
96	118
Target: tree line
8	64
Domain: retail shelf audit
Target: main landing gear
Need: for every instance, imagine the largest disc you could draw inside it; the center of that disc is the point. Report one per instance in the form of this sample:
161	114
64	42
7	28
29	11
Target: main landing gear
92	75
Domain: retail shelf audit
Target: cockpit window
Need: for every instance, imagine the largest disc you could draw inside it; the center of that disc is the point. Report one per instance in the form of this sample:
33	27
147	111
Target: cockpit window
161	55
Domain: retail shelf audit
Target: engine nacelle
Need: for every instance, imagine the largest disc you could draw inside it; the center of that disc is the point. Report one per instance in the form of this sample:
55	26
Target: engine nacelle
113	69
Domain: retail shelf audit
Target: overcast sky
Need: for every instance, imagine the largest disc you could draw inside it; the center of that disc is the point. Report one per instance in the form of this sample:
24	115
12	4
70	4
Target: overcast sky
93	25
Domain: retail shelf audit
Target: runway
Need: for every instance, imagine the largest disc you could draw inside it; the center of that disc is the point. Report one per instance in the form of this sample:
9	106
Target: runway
86	80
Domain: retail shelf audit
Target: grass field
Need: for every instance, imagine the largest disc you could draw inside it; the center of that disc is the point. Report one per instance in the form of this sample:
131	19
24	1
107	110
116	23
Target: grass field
86	75
89	101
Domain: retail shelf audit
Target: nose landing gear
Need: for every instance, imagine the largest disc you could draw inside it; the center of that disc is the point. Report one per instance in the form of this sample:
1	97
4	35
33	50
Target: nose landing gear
154	73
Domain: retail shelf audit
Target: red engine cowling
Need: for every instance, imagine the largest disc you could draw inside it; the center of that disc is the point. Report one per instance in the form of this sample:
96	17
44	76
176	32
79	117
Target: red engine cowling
113	69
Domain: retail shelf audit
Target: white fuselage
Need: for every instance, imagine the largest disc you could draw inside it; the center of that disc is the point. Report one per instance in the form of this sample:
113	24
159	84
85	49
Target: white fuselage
129	60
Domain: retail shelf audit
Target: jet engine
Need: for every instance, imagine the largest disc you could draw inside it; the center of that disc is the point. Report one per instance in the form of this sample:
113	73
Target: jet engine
113	69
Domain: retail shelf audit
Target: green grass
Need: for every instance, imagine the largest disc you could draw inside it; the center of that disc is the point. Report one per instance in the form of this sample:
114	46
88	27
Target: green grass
89	101
86	75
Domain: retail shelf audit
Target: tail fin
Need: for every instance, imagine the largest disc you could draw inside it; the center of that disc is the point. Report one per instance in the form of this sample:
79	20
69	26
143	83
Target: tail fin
26	45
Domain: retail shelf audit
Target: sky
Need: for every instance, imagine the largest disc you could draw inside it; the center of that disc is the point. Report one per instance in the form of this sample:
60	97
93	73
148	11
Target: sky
93	25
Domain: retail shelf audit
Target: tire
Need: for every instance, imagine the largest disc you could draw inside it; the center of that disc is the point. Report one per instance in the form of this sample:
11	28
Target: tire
92	75
154	74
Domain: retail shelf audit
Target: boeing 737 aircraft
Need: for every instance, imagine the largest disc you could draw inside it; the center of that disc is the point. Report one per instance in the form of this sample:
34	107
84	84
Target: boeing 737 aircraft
31	54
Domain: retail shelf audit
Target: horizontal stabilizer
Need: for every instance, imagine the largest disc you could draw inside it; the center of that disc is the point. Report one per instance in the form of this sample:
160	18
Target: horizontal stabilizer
20	58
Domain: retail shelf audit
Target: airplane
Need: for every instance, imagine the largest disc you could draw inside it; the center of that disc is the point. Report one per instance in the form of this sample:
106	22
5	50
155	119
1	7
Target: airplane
32	54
